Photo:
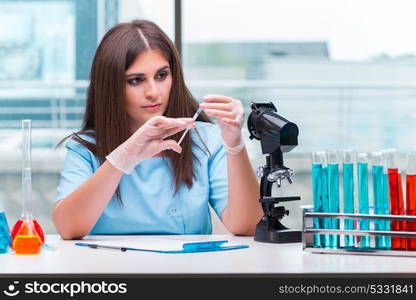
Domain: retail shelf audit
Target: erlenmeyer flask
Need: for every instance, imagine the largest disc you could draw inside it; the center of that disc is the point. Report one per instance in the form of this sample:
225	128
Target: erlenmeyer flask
27	235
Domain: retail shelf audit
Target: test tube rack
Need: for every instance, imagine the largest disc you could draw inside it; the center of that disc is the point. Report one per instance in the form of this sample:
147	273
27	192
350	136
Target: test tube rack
308	233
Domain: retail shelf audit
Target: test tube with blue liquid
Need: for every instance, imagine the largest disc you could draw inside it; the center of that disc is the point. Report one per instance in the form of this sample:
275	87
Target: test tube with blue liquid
333	192
363	201
349	159
381	206
319	196
386	200
5	238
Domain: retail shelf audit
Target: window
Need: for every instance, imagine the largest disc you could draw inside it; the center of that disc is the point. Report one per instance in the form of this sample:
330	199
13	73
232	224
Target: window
343	71
44	71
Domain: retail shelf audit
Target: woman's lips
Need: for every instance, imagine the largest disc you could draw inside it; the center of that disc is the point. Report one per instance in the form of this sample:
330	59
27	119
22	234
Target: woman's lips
151	107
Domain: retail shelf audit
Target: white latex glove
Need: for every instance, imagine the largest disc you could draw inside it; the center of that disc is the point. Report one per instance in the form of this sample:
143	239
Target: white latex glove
230	115
148	141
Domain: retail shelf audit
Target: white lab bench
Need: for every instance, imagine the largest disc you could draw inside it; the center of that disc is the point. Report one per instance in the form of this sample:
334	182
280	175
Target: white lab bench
259	258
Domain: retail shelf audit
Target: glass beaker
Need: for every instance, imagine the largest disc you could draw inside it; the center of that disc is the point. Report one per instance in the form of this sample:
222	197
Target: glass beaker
27	235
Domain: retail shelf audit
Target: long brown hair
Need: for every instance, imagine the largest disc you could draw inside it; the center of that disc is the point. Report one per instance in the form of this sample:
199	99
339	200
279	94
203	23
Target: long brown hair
106	117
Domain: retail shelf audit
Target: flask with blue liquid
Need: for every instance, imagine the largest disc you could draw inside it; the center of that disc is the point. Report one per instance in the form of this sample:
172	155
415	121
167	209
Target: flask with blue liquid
5	238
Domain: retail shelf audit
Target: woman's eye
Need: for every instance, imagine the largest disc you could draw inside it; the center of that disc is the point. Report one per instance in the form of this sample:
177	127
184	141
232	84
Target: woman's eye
162	75
135	81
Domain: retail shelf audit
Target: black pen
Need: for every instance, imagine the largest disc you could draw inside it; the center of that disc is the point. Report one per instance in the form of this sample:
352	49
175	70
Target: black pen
95	246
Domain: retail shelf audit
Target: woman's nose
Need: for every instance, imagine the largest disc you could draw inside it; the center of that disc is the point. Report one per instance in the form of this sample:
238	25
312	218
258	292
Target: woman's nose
151	90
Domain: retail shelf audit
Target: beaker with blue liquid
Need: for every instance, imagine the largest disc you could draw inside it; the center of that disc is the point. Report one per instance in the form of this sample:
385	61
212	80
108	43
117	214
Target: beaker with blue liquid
5	238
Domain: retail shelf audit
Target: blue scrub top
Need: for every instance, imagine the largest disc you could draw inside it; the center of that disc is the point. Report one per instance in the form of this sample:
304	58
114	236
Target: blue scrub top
149	206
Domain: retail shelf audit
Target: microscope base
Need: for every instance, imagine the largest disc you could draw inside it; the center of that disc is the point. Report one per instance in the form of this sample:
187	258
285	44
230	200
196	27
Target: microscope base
278	236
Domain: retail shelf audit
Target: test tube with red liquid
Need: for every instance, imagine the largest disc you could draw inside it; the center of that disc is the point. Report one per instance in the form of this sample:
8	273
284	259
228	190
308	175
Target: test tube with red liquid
27	235
411	196
396	199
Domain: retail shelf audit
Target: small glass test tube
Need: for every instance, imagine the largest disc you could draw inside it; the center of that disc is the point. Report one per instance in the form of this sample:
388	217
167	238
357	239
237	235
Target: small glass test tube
319	165
411	196
386	199
396	198
349	159
333	192
380	202
363	203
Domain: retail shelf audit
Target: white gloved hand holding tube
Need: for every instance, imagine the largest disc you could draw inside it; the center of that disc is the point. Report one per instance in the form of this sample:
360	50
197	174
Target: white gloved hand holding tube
148	141
230	115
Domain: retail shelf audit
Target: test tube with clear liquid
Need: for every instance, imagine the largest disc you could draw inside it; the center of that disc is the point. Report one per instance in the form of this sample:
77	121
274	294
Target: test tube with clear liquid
27	235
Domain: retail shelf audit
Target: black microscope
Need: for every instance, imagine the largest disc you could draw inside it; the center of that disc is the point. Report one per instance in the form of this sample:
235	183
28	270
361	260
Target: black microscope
276	135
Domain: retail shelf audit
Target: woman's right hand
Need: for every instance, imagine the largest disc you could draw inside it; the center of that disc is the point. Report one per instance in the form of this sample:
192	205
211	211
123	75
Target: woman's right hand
148	141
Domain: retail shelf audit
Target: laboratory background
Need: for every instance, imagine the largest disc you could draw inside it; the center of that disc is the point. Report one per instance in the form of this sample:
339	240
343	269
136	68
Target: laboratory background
343	71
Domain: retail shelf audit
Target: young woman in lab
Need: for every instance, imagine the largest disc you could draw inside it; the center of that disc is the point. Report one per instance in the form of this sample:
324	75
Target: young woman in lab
126	173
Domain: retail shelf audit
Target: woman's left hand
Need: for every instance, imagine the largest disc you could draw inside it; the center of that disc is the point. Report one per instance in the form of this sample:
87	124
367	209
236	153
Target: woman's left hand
230	115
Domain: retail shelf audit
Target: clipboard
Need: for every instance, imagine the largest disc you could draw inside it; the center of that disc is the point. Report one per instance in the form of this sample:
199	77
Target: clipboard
159	245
